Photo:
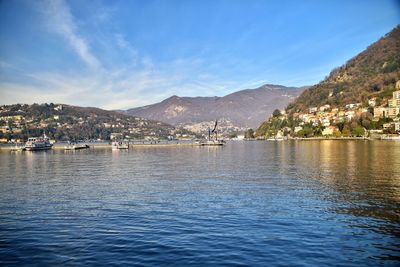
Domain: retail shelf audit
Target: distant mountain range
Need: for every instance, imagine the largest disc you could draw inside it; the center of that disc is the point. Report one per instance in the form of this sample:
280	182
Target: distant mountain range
245	108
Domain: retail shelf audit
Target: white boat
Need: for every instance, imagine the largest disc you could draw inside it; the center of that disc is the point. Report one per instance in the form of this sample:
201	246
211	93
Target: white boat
276	139
18	148
119	145
38	143
75	146
396	137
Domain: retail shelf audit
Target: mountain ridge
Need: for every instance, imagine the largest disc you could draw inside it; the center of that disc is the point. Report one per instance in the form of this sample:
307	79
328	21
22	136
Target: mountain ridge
245	108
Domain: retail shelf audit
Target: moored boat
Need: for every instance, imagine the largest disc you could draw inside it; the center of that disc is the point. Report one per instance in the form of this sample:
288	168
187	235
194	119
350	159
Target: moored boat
38	143
391	137
75	146
212	143
277	139
18	148
119	145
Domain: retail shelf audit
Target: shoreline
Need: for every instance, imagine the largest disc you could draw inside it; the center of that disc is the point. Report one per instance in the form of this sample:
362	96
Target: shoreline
333	138
56	146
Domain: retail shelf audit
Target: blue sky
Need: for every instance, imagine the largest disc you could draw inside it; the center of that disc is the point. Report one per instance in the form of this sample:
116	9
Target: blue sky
122	54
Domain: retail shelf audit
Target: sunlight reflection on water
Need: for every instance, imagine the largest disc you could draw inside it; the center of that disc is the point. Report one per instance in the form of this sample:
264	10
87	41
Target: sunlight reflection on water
292	203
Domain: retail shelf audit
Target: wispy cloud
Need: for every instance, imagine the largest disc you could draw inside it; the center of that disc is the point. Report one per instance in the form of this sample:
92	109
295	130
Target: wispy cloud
124	45
61	21
135	81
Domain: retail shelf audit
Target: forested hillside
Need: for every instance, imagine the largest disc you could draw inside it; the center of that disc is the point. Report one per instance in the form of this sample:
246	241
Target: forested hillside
353	100
373	72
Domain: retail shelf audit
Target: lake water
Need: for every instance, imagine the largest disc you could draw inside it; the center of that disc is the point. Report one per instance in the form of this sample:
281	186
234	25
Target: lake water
318	203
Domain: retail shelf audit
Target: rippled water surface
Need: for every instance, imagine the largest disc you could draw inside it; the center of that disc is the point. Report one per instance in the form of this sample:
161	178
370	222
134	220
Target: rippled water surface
249	203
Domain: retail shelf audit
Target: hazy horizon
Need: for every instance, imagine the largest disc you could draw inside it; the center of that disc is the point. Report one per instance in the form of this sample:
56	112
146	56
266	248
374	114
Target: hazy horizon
125	54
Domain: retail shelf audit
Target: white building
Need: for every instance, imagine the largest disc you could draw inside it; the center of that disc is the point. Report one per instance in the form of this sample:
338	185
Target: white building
313	109
372	102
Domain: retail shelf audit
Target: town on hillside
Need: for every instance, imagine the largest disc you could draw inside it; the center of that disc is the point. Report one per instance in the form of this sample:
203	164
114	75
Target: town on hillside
68	123
375	118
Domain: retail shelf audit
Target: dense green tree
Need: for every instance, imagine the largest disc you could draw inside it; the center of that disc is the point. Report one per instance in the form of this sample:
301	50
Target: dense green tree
232	135
358	131
346	131
249	134
306	132
276	113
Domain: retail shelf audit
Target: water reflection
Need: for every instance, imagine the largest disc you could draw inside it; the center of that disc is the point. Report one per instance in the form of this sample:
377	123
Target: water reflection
362	176
299	202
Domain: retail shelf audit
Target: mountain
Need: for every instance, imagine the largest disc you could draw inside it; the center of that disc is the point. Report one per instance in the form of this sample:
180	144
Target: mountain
355	97
246	108
373	72
65	122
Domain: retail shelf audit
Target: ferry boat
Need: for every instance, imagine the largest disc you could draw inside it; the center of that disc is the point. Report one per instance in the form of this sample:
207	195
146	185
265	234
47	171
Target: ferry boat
119	145
38	143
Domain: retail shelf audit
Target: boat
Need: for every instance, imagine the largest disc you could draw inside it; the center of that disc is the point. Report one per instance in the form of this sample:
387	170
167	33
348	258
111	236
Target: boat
119	145
391	137
18	148
215	141
212	143
276	139
37	143
75	146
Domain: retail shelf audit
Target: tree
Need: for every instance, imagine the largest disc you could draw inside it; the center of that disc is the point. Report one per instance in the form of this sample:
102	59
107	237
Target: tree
232	135
346	131
358	131
276	113
336	134
249	134
306	132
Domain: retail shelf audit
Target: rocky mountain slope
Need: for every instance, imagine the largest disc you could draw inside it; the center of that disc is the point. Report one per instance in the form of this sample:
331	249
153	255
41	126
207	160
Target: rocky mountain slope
246	108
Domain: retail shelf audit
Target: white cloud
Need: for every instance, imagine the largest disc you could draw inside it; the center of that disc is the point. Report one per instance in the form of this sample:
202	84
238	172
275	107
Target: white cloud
61	21
127	47
136	81
118	88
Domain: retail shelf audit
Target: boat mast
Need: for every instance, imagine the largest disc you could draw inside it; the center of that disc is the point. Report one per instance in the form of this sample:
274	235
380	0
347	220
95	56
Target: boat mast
214	130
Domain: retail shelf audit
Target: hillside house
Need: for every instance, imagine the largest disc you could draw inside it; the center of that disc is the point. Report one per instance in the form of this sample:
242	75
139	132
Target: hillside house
330	130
